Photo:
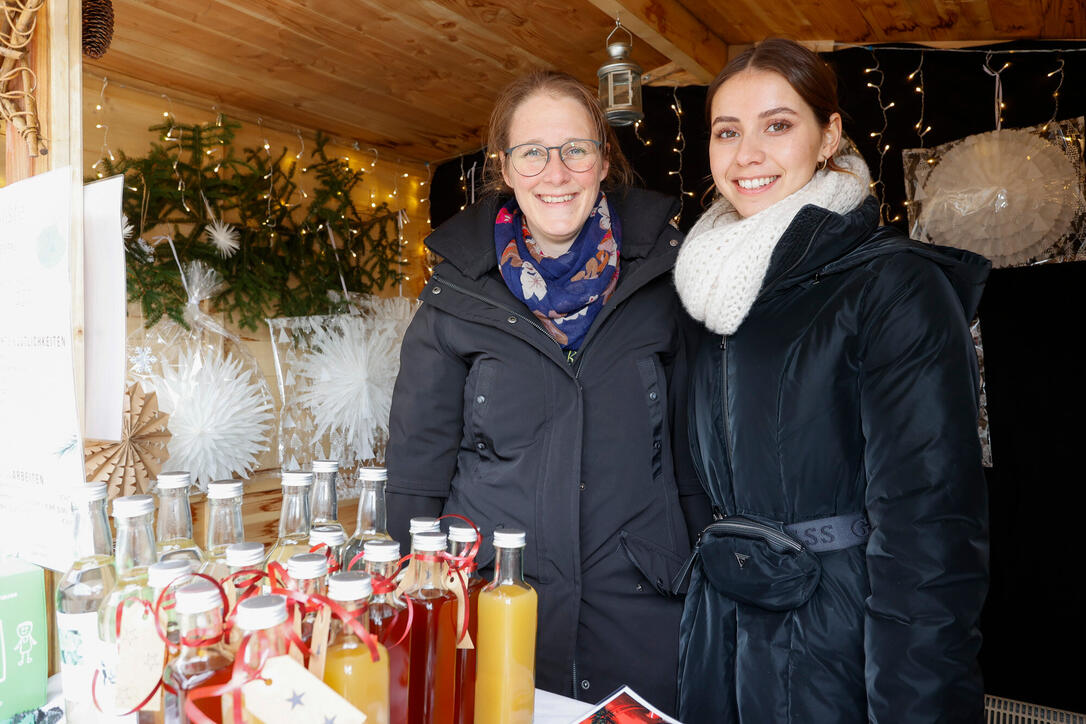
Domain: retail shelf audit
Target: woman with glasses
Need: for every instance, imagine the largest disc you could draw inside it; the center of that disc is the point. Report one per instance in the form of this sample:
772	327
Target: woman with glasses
542	387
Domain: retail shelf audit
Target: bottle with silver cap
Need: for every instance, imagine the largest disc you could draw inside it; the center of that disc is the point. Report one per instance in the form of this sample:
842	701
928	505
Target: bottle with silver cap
420	524
294	520
79	594
433	632
462	537
224	524
308	574
349	668
176	572
323	504
204	659
372	521
334	539
388	621
175	518
135	553
261	619
505	662
245	556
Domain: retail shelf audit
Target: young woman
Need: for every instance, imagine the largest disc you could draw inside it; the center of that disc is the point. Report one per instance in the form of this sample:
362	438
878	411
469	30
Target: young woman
833	417
538	389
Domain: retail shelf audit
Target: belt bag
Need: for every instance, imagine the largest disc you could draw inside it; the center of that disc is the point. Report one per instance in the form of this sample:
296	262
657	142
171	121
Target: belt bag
771	565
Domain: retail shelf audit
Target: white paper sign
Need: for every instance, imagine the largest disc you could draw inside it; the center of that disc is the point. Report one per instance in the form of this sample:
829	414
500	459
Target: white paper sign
103	309
288	694
41	449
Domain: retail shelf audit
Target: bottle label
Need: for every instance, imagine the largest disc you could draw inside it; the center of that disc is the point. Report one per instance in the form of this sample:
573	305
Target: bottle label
286	693
80	653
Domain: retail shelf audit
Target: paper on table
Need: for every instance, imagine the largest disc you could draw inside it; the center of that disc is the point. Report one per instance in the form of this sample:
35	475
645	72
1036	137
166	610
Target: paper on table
41	449
103	309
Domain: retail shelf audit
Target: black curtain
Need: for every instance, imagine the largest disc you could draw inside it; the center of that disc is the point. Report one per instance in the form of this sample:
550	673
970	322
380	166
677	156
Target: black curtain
1034	622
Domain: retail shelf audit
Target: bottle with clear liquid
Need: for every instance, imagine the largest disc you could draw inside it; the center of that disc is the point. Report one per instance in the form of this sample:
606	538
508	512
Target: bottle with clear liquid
224	524
176	572
334	539
349	667
294	520
175	518
204	659
372	520
323	504
433	635
80	593
461	538
505	662
388	621
261	618
308	574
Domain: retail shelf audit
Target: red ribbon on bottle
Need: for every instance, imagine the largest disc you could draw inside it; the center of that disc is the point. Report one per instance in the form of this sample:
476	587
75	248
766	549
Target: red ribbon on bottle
333	562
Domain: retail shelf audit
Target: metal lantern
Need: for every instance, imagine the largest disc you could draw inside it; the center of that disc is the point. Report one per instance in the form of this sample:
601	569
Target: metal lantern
620	82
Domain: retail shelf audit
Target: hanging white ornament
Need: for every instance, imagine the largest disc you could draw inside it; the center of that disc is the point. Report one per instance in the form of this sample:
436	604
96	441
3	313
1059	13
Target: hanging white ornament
220	234
127	230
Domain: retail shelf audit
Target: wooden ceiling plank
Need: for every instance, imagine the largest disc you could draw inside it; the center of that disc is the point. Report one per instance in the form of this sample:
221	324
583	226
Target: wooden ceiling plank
1064	19
838	21
674	31
1016	18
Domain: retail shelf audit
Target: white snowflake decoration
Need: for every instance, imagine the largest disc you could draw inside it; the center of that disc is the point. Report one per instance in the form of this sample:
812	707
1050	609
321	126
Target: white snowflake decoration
127	230
221	414
223	237
142	358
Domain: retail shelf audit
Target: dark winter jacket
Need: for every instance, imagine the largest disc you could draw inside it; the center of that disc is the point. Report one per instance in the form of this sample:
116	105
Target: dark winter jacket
490	421
851	387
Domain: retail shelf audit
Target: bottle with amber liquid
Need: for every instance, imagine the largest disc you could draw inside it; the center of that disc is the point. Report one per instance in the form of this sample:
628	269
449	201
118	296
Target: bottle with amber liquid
204	659
294	520
433	634
349	667
174	534
261	618
388	621
224	524
461	539
505	664
372	520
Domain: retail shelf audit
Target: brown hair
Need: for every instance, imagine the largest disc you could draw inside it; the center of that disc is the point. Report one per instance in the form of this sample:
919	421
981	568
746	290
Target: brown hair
558	85
808	74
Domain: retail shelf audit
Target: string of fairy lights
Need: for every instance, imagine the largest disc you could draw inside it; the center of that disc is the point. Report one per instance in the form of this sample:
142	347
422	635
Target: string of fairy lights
398	178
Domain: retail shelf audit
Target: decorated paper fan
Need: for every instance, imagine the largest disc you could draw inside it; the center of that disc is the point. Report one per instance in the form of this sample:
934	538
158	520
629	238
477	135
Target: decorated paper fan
131	465
1007	194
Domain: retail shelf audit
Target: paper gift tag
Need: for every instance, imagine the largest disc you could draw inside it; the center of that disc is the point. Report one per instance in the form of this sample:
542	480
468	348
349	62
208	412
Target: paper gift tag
318	645
458	587
288	694
140	658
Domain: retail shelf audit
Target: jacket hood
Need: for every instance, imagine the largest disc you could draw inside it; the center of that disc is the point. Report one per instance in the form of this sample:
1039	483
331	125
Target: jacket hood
820	242
467	240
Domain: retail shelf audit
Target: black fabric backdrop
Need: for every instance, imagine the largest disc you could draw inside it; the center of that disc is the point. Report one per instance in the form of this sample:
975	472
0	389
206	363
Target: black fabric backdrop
1034	621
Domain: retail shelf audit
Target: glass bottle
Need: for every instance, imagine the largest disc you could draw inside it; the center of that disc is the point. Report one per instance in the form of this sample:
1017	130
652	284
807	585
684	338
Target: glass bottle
135	553
505	663
308	573
372	523
224	524
294	521
388	621
349	667
261	619
461	539
159	576
204	659
245	556
332	537
433	634
323	505
175	518
80	592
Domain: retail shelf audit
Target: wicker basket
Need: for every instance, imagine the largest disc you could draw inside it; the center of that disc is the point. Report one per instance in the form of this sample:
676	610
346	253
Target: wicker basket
1008	711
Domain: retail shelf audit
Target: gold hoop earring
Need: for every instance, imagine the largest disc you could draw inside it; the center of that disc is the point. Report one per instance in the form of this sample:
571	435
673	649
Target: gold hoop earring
822	164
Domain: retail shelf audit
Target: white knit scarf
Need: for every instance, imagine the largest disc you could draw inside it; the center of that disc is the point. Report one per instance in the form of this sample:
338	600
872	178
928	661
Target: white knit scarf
723	262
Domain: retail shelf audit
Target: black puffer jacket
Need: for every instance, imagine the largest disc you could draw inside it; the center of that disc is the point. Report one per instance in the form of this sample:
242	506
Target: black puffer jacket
491	422
850	387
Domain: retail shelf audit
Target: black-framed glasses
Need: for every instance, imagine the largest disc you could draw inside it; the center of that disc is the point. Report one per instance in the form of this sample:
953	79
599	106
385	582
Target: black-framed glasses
578	155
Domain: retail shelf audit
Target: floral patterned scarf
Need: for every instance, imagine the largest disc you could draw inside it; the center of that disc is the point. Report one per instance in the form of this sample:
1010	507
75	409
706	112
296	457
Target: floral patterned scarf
564	293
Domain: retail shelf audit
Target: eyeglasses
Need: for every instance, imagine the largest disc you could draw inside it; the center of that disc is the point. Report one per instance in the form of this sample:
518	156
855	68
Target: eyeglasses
578	155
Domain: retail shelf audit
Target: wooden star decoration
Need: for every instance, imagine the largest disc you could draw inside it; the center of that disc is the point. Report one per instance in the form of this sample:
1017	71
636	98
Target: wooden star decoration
131	465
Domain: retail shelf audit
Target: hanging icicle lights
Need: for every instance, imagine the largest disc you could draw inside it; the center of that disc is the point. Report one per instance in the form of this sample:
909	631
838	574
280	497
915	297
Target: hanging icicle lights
106	152
877	184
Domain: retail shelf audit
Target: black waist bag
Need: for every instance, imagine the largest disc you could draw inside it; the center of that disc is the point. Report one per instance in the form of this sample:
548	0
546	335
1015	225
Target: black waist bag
753	562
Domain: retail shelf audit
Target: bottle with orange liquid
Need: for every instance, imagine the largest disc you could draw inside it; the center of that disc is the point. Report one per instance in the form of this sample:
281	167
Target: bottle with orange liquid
261	618
204	660
388	621
505	664
461	538
294	520
433	634
349	667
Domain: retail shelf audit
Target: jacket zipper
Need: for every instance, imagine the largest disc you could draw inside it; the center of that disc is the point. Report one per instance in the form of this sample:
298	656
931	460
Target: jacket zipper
727	410
575	677
491	302
744	525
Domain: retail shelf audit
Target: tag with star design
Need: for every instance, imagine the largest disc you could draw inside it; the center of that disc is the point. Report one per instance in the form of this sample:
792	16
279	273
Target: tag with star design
287	694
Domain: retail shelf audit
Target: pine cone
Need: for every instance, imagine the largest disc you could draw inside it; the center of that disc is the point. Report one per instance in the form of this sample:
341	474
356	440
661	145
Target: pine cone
97	27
